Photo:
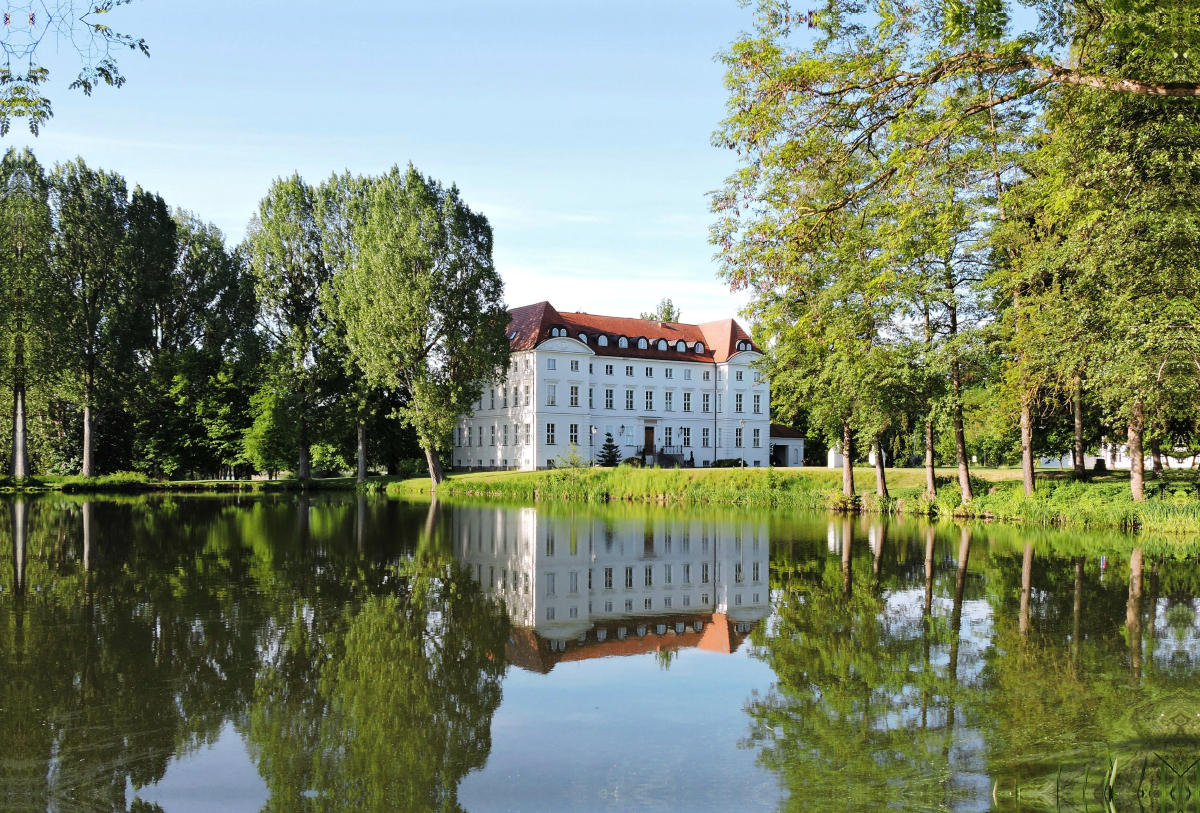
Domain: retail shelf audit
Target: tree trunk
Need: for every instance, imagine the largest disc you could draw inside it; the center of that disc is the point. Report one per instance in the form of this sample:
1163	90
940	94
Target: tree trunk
20	525
436	475
89	462
847	459
86	511
1077	615
930	536
960	438
18	467
362	452
881	488
1026	588
930	478
1027	446
1156	465
1133	612
1080	469
304	470
1137	460
847	543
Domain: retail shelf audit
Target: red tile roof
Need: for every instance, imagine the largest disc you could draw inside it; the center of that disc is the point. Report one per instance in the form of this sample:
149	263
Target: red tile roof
531	324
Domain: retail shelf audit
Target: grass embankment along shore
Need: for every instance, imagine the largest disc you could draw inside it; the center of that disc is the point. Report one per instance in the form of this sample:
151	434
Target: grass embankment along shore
1101	502
1104	501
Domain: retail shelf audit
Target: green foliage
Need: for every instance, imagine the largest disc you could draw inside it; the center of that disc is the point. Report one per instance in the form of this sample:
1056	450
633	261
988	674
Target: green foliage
609	454
665	312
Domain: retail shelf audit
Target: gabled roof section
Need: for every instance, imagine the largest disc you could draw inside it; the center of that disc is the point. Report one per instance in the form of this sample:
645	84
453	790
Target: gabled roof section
778	430
723	336
530	326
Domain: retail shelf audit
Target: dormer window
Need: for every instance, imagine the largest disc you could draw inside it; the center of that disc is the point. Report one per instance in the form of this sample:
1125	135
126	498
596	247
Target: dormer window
743	345
583	338
662	344
643	344
622	342
699	347
602	340
681	346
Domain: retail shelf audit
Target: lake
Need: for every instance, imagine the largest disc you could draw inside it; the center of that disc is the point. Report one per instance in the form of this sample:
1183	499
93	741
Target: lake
337	652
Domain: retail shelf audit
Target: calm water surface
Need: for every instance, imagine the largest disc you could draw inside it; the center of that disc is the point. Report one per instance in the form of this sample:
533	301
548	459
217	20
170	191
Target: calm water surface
340	653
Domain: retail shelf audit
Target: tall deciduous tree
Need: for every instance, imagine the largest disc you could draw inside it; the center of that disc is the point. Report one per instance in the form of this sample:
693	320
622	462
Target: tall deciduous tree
423	306
289	268
95	285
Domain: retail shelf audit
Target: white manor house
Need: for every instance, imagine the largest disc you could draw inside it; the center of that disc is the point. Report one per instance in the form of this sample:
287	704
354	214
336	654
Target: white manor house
668	393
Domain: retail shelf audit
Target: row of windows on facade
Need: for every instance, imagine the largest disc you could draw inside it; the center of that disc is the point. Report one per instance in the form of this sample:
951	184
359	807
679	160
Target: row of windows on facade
609	369
641	342
668	572
463	436
669	542
622	633
647	575
610	395
648	604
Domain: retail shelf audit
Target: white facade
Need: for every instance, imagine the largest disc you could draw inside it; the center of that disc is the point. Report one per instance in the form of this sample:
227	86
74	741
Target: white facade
680	409
564	579
1116	456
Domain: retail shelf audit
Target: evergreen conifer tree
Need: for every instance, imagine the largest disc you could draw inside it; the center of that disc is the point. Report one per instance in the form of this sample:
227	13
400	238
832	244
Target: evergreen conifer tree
609	455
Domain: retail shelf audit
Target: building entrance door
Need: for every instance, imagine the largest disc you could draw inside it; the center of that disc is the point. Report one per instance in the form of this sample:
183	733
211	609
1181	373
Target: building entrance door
649	440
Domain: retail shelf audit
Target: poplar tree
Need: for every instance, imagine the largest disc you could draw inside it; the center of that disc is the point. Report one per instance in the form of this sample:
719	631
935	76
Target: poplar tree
423	305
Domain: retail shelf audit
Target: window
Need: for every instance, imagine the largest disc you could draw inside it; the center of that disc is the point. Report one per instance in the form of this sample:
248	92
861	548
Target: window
590	368
551	394
456	437
574	581
550	434
668	401
493	401
757	443
602	340
550	584
629	578
681	346
687	375
687	601
718	437
649	400
504	435
574	366
704	437
685	436
504	393
608	580
527	399
662	344
629	369
481	436
629	399
526	434
642	344
687	402
704	598
757	404
574	395
602	634
699	347
551	364
574	433
628	609
583	338
667	439
668	373
706	402
719	402
649	575
757	376
649	372
704	574
754	570
608	399
737	572
737	600
687	573
493	443
737	402
516	397
662	628
549	613
649	605
550	541
738	375
737	437
622	342
591	398
666	574
574	613
608	369
708	375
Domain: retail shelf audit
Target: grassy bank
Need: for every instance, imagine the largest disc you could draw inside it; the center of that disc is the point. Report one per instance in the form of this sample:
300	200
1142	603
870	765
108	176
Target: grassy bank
129	482
1104	502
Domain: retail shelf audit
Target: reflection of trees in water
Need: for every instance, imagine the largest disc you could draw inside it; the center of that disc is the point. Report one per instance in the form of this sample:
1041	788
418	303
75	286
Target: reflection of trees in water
881	690
110	669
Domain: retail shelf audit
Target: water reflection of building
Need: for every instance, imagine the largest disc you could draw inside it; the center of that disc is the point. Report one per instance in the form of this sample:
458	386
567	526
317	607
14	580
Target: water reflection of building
578	587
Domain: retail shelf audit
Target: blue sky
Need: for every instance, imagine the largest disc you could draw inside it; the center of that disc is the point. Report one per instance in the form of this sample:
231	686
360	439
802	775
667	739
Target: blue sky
580	128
